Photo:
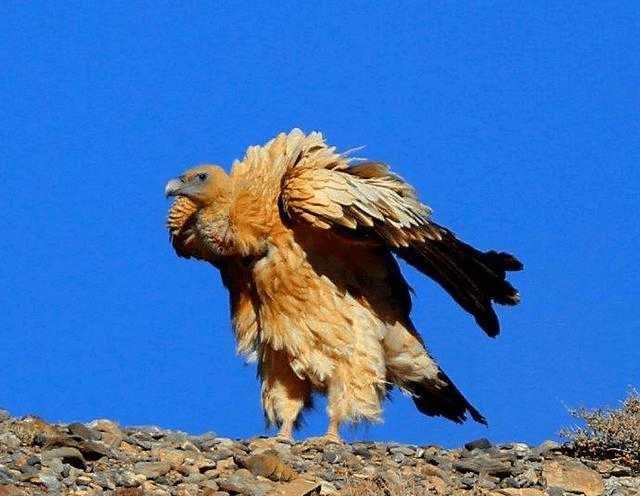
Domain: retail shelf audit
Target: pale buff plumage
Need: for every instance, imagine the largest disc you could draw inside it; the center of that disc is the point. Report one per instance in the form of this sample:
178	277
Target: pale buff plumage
305	244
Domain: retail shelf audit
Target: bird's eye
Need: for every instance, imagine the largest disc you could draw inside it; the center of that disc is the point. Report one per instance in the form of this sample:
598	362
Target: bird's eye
202	176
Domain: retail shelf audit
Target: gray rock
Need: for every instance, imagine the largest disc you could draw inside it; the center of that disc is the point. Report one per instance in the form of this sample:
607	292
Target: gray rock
480	444
437	460
56	466
65	454
467	482
6	477
486	466
330	456
211	485
549	445
127	478
511	482
152	470
9	440
104	480
391	477
521	450
220	454
195	478
87	459
362	451
70	475
404	450
487	482
554	491
140	440
206	441
184	489
244	482
52	483
83	432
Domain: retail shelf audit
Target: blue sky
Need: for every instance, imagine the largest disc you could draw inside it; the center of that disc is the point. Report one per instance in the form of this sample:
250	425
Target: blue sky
517	122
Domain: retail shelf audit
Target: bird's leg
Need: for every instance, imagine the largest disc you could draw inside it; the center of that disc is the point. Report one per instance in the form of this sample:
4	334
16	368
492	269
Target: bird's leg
285	431
333	433
331	436
284	393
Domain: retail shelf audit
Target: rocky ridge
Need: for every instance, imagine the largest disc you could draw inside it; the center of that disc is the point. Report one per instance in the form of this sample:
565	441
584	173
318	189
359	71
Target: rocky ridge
103	458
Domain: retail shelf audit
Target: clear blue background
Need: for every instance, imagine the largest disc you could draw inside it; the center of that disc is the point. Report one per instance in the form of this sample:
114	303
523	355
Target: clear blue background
516	121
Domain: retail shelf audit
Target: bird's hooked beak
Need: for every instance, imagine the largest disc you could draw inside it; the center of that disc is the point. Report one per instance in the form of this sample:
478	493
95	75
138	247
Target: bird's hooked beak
173	187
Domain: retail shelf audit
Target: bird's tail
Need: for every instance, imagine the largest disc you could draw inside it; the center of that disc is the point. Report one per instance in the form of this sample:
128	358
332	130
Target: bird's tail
473	278
411	367
443	399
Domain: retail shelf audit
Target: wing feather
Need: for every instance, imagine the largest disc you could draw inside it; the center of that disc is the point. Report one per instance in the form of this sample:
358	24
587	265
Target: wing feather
362	197
369	201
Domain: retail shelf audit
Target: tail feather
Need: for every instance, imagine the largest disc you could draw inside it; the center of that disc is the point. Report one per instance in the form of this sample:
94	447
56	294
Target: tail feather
473	278
443	399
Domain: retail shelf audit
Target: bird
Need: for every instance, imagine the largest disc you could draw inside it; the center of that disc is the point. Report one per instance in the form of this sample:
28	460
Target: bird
307	242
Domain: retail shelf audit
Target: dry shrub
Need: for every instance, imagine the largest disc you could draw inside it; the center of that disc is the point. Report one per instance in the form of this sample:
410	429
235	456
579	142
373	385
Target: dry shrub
608	433
377	486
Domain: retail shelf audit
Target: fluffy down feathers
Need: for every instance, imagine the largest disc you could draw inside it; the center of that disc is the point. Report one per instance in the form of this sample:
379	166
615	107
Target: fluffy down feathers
305	243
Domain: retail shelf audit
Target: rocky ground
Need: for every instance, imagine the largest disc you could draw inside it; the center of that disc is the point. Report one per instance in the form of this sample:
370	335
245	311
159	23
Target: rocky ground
102	458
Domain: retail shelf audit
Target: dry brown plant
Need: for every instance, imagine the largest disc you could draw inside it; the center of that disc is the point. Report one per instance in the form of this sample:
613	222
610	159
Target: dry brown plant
608	434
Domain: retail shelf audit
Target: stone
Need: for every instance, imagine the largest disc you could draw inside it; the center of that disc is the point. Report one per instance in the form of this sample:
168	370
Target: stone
109	432
186	489
56	466
480	465
554	491
6	477
302	487
244	482
510	491
83	432
67	454
9	440
549	445
226	464
431	470
268	466
481	444
150	488
169	455
330	456
572	476
52	483
152	470
404	450
362	451
12	491
103	458
520	450
128	478
436	485
102	479
129	449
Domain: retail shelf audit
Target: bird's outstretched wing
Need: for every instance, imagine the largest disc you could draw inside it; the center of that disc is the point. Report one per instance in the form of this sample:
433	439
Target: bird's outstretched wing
369	203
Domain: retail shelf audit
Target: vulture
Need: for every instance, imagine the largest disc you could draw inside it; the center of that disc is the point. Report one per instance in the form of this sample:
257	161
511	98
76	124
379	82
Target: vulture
306	239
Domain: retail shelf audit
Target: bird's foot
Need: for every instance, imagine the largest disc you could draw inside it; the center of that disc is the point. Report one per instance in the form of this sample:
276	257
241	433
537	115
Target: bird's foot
331	437
284	435
324	440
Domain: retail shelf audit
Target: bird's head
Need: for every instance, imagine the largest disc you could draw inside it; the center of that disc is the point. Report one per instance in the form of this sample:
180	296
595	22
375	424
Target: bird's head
203	184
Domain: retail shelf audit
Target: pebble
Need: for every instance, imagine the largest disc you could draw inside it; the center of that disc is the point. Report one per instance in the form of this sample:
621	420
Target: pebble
102	457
